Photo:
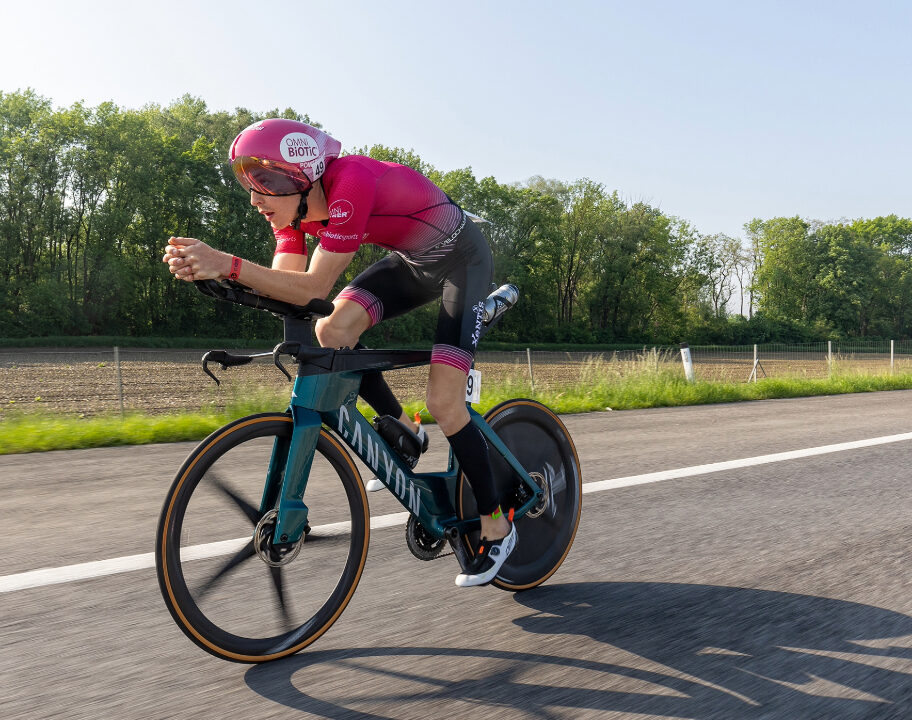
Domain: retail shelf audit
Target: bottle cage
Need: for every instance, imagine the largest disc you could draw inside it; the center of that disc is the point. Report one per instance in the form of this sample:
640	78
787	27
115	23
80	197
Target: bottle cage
399	437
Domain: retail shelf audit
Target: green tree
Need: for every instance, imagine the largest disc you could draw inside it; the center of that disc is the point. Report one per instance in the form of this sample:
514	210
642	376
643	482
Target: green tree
644	282
785	278
847	278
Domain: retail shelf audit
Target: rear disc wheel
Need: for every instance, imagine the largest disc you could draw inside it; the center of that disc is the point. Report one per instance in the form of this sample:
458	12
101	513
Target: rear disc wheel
542	445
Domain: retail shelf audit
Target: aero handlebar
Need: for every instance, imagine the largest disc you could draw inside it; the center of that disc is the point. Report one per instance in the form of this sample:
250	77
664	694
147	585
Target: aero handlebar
242	295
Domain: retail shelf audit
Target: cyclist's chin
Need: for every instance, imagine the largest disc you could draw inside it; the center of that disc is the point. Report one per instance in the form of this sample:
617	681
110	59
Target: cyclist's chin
276	220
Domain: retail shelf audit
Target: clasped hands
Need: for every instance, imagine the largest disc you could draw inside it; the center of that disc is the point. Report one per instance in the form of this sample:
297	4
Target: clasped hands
191	259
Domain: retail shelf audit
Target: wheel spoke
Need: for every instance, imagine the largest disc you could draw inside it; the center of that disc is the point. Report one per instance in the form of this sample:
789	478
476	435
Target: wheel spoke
245	553
252	513
279	584
209	564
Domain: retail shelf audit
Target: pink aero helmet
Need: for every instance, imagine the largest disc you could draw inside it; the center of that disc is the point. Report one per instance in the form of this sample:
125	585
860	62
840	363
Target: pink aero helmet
281	157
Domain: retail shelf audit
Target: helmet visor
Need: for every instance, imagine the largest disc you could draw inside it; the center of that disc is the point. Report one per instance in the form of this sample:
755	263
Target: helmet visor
268	177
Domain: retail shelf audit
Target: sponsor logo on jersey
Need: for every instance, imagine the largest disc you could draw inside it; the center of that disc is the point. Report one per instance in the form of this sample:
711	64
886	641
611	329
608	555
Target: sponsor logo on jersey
455	235
340	212
337	236
298	147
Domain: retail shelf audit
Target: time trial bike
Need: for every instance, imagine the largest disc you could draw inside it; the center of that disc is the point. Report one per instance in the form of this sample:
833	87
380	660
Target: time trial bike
263	535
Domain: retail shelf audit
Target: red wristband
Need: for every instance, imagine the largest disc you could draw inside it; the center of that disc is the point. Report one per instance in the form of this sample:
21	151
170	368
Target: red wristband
235	268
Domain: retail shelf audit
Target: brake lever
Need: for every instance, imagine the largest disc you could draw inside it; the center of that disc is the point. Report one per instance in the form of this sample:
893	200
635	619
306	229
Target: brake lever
209	372
290	348
214	356
226	360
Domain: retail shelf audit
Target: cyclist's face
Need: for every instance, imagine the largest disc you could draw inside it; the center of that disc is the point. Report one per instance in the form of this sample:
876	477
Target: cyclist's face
279	210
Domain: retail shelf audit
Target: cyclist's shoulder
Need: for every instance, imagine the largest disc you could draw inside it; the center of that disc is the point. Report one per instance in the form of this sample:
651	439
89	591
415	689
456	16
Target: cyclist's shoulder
360	177
362	165
356	165
351	177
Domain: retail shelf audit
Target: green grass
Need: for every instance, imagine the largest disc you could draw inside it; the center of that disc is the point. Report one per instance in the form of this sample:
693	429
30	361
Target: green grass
595	390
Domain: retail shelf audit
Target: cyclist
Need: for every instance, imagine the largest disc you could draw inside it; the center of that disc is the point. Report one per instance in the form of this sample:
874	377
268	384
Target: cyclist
298	182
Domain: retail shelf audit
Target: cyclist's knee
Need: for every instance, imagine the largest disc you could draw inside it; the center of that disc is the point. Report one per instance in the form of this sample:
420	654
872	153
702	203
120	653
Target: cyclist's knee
334	334
344	327
449	411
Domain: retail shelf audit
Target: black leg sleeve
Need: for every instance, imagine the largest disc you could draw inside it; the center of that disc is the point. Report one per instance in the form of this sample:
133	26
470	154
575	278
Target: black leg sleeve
471	450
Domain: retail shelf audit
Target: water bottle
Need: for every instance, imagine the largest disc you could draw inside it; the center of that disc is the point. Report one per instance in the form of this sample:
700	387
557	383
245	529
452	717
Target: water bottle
499	301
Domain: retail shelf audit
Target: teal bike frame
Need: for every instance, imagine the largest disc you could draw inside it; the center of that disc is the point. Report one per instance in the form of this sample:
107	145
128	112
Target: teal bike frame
326	396
326	393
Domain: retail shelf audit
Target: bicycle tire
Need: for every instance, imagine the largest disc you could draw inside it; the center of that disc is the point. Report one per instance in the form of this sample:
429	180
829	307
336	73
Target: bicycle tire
222	480
541	443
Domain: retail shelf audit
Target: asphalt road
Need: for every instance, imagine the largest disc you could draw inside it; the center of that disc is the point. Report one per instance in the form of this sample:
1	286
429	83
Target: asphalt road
780	589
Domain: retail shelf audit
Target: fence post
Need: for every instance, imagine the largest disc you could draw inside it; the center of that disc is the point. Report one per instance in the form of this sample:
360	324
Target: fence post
757	368
119	380
688	363
829	358
531	375
891	357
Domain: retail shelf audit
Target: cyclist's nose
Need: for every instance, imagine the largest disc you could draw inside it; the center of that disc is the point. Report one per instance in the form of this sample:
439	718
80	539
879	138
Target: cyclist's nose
256	199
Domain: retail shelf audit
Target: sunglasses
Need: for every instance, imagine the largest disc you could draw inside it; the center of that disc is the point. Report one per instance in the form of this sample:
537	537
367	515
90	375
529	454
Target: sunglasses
268	177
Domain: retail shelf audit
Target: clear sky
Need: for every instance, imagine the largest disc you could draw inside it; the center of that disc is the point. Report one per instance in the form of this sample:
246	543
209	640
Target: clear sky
716	112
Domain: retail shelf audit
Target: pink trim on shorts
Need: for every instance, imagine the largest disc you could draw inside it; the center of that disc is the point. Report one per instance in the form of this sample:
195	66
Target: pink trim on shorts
452	356
370	302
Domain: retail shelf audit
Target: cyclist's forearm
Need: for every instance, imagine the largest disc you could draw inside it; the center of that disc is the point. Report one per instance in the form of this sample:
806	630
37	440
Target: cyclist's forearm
291	286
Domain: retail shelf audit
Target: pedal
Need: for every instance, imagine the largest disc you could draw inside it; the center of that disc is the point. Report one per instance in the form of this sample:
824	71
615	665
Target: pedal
458	549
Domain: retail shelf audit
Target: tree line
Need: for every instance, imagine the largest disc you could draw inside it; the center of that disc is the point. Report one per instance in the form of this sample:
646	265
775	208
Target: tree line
89	196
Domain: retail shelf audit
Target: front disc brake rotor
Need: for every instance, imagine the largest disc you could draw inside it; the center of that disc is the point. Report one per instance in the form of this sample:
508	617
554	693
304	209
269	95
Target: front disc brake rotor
270	553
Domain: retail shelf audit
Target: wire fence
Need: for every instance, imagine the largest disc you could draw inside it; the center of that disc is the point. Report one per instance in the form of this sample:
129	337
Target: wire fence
120	380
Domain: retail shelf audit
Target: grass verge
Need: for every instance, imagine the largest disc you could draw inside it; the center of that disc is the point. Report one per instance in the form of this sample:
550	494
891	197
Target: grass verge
594	390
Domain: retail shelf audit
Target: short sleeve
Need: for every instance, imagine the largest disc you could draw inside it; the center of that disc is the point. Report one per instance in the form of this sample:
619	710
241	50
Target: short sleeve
290	240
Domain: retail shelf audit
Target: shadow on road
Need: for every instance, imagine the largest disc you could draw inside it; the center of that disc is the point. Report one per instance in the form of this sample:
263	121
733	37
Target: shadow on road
671	650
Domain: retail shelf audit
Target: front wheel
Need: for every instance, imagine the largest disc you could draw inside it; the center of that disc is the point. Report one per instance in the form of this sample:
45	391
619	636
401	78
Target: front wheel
229	590
542	445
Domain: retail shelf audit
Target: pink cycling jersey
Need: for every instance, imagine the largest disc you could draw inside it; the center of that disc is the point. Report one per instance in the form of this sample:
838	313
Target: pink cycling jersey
384	203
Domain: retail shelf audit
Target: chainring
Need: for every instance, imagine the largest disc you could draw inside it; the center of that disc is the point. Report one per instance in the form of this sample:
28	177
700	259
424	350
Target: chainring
421	543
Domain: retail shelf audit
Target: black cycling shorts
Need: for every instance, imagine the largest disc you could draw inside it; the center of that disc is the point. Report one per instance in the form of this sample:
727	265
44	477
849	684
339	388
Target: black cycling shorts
459	270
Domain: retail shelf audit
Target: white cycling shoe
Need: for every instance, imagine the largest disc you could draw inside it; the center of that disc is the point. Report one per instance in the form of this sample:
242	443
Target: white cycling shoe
488	560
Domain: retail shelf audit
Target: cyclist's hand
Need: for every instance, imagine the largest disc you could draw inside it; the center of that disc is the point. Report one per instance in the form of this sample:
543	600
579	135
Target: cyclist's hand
190	259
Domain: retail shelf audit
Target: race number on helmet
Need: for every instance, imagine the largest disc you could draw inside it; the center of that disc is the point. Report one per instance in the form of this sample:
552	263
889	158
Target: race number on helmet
281	157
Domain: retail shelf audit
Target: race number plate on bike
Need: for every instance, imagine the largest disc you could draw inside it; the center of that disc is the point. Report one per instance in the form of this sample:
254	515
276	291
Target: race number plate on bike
473	386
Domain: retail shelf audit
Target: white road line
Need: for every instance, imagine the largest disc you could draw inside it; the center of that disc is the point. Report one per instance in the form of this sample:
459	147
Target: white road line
100	568
743	463
114	566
